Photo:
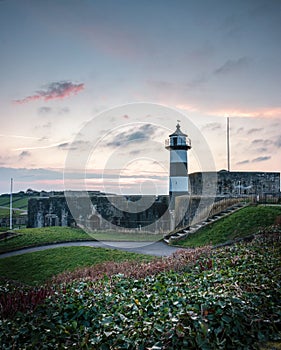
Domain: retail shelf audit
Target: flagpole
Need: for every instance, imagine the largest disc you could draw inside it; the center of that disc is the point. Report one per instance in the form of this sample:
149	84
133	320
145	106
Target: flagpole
11	205
228	146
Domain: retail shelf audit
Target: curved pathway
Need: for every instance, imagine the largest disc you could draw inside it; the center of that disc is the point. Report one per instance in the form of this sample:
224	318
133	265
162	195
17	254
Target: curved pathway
150	248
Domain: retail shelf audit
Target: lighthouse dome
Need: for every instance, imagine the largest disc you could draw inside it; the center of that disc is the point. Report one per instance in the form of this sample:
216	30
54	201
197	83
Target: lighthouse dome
178	140
178	132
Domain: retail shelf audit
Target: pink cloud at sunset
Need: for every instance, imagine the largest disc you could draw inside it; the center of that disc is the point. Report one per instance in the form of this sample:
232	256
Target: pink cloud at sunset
55	90
274	112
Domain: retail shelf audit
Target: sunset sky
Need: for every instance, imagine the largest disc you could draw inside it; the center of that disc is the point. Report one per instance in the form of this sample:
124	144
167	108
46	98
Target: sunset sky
65	62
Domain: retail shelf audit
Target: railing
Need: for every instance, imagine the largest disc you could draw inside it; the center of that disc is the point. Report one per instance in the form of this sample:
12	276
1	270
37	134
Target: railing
177	142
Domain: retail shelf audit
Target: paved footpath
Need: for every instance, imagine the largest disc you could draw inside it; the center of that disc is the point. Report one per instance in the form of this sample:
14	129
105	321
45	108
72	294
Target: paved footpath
150	248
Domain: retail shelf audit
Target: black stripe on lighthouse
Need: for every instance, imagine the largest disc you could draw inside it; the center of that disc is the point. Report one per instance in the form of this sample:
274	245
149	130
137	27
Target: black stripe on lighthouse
178	169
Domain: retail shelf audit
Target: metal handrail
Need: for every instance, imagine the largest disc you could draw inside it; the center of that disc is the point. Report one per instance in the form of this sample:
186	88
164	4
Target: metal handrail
180	142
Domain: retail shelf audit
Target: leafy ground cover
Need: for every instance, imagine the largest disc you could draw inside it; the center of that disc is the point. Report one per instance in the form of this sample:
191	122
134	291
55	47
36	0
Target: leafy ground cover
38	267
244	222
206	299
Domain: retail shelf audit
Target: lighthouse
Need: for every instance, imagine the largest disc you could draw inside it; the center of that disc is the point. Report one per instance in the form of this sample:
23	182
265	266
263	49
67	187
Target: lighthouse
178	144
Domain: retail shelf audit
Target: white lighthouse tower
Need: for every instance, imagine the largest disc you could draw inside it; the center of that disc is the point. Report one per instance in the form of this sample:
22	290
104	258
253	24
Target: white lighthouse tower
178	144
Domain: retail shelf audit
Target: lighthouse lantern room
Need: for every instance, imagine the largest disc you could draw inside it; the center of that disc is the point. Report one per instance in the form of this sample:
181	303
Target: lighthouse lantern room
178	144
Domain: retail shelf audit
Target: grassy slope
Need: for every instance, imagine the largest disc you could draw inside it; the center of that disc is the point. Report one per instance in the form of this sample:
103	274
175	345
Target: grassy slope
227	300
38	236
18	201
38	267
5	212
245	222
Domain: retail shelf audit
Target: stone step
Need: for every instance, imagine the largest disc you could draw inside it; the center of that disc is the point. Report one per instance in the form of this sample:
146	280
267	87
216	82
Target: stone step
190	229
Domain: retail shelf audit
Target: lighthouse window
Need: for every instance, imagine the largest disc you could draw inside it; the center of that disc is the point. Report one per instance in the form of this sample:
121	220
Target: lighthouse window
182	141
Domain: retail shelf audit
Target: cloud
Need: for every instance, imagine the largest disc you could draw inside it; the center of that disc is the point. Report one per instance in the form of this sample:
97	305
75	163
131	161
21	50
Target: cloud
254	130
39	147
261	142
63	110
272	112
196	83
187	107
233	65
64	145
141	134
135	152
246	161
24	154
52	91
73	146
44	110
261	159
277	143
25	178
161	84
212	126
47	125
118	42
262	150
20	136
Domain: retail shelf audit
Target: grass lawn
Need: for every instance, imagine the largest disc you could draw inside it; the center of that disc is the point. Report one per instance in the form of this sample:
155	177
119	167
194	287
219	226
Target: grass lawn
18	201
244	222
5	212
29	237
36	268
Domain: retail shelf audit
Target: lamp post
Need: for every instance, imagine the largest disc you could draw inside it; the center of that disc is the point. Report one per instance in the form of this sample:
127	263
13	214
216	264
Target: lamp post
11	205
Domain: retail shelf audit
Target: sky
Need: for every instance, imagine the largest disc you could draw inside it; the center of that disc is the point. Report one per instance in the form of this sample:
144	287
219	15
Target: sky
66	67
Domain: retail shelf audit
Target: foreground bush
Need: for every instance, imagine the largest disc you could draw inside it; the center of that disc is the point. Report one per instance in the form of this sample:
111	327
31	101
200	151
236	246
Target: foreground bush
225	299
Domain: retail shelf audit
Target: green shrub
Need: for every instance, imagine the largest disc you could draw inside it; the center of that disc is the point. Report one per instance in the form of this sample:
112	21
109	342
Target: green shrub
224	299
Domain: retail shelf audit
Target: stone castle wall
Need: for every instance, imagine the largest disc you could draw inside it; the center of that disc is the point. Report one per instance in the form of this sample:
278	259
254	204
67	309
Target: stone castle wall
236	183
103	212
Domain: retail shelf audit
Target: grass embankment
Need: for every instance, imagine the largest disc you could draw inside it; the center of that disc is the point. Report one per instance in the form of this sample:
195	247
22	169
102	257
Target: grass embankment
240	224
38	267
31	237
18	201
5	212
224	299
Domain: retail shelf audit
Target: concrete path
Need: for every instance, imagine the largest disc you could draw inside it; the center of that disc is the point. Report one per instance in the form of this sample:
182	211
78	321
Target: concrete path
149	248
